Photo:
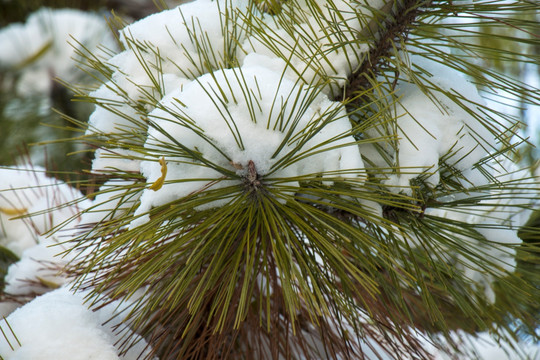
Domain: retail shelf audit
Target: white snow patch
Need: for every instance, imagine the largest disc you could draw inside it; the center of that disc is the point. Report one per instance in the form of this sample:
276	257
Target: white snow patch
434	128
308	45
60	326
31	204
38	269
497	219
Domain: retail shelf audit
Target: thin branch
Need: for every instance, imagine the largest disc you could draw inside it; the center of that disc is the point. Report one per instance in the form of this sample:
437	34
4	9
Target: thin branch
394	27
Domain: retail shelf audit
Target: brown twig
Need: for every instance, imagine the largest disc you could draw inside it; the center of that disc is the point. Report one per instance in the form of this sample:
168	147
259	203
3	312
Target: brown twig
397	25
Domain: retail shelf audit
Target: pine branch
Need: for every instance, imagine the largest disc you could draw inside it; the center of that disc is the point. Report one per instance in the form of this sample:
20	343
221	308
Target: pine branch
239	260
396	26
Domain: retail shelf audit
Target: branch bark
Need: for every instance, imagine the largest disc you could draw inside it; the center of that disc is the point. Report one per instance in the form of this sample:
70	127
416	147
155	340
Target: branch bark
401	16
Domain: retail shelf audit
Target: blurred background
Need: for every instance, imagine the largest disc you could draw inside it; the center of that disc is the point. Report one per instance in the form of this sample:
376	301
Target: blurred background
41	47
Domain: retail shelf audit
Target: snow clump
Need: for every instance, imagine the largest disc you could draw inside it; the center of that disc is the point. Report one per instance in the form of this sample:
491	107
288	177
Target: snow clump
208	100
497	220
231	131
32	204
435	133
434	129
254	113
308	41
157	62
59	325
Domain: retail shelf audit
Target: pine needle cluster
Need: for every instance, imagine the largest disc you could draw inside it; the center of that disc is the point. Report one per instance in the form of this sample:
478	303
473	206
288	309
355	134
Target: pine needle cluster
222	255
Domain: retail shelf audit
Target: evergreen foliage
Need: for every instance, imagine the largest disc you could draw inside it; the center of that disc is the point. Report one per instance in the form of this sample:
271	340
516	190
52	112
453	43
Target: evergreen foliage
366	204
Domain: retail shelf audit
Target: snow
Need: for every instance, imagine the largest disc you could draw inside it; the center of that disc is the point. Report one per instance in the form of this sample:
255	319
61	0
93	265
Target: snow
113	114
38	270
163	60
60	326
435	128
31	204
113	200
432	130
497	219
178	35
230	117
307	45
166	59
230	130
51	32
110	160
244	117
485	346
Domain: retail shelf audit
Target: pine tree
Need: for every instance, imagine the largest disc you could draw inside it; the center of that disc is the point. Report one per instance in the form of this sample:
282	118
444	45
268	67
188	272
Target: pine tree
312	179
